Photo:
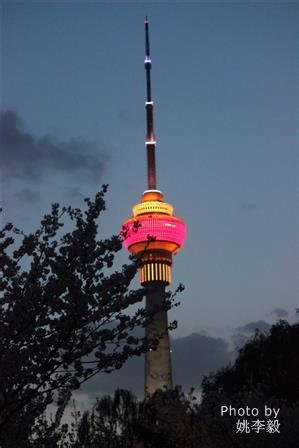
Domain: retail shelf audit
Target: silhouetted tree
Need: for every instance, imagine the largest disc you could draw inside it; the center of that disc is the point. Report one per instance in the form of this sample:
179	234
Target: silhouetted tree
63	315
266	372
166	419
270	360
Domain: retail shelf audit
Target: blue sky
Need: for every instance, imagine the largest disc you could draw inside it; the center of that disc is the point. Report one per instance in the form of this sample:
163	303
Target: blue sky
225	87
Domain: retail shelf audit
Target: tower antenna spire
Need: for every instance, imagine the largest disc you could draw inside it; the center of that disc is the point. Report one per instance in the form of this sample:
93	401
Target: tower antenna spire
150	141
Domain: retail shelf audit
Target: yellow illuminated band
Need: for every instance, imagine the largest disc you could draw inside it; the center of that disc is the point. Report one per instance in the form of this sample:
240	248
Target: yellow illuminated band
152	207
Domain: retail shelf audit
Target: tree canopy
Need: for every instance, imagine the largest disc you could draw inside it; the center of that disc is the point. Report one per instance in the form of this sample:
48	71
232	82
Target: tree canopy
269	361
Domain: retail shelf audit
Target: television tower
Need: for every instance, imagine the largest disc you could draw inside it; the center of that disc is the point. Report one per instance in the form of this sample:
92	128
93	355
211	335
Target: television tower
154	234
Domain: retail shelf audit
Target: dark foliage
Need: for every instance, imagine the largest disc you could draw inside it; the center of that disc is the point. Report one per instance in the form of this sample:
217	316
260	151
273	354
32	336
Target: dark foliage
167	419
268	361
265	373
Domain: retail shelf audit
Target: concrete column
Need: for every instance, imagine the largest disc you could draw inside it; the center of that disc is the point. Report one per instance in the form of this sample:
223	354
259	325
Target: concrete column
158	373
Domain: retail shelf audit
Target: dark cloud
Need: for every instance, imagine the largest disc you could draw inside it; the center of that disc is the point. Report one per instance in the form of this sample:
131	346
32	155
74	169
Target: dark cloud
30	158
280	313
27	195
197	355
192	357
252	326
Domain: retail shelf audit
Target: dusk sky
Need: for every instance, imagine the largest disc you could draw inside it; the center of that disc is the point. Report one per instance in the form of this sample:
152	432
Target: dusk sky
225	89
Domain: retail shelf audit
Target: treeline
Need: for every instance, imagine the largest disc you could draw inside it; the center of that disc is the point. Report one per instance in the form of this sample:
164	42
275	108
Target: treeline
265	373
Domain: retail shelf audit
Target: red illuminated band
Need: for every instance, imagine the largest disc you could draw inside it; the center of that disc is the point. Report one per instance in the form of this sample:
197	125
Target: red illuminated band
169	229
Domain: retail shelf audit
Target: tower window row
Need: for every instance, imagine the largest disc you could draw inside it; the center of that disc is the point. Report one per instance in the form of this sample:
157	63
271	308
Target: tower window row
155	272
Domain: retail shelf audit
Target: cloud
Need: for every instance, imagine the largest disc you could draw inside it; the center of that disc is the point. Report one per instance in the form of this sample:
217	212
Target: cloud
257	325
280	313
193	357
32	158
197	355
27	195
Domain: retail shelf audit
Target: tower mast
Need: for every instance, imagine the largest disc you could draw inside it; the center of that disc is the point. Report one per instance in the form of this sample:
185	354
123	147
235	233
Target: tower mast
150	141
155	219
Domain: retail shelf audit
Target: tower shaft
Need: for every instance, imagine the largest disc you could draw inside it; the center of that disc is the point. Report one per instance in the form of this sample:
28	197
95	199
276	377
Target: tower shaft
158	373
